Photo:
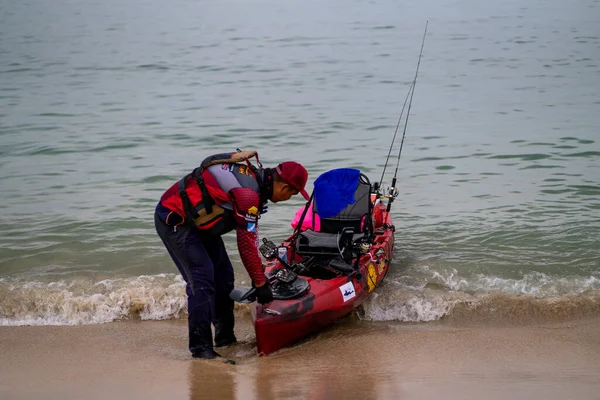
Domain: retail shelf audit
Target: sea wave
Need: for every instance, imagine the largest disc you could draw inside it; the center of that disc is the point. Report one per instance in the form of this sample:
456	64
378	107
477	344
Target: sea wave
80	301
432	305
434	295
534	283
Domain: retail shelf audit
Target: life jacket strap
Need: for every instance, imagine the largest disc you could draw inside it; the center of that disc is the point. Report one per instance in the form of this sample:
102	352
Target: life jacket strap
185	199
206	199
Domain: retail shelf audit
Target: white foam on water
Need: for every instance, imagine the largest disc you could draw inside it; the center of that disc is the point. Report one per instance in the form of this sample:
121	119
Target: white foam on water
410	306
150	297
417	296
540	285
431	295
534	283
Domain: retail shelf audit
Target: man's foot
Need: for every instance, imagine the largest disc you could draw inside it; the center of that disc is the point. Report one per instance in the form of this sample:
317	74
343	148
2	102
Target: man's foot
224	342
209	354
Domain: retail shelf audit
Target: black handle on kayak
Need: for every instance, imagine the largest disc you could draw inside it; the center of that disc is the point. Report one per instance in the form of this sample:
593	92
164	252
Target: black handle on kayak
243	294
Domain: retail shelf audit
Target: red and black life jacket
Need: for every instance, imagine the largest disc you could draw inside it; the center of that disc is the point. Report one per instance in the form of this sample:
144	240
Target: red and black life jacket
199	199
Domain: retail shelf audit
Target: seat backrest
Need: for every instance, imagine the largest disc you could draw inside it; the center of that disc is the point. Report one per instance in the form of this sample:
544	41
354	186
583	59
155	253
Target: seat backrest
342	199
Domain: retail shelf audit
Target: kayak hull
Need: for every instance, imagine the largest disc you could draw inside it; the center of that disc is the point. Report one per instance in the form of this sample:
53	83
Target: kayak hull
283	322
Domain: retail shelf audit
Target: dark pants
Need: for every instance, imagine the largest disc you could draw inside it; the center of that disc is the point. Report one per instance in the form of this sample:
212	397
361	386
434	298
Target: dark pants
205	267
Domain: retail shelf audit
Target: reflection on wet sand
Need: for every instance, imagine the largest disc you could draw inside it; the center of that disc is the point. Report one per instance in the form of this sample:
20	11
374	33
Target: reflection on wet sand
341	363
316	384
264	380
150	360
399	361
211	380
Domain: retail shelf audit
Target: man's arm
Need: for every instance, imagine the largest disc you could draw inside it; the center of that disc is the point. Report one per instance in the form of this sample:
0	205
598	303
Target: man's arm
245	207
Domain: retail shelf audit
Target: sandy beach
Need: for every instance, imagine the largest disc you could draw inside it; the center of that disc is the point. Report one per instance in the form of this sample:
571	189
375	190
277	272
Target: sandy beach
493	289
149	360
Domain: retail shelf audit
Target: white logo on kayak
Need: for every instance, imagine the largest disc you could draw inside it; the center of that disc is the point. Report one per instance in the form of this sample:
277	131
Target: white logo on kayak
347	291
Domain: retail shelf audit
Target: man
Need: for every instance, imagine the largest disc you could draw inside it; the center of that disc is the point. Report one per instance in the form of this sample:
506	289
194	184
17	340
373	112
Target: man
224	193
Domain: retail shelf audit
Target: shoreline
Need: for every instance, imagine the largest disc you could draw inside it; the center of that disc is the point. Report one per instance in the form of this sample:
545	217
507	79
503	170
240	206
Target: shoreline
350	360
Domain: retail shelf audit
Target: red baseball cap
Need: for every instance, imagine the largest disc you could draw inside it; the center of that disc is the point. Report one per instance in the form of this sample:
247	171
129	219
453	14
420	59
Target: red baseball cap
294	175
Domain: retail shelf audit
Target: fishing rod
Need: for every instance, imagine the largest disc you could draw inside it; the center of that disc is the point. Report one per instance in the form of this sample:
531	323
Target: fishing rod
393	191
410	89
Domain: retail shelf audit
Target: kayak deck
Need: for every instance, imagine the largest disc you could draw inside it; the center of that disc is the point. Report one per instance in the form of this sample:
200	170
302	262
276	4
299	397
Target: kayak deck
284	322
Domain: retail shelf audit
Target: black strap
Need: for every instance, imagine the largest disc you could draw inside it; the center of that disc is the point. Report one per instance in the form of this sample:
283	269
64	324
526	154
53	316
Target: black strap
368	228
206	199
185	199
298	230
188	207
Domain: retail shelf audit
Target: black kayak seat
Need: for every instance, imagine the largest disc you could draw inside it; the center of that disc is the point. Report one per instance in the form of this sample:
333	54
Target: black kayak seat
312	243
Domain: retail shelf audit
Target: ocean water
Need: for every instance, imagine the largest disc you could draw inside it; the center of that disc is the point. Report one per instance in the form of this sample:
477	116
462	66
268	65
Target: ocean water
105	104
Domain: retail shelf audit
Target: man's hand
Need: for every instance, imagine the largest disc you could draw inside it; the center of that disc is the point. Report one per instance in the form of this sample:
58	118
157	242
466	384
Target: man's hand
264	294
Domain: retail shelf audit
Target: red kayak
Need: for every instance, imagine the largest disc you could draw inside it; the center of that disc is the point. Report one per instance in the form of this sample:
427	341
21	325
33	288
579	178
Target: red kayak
339	253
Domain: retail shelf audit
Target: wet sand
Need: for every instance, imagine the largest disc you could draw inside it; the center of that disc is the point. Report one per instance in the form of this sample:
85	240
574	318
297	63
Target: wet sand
351	360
